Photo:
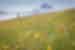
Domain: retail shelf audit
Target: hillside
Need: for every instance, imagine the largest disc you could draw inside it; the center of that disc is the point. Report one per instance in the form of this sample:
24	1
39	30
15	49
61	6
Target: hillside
38	30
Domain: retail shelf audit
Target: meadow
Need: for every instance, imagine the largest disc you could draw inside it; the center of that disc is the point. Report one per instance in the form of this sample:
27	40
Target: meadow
49	31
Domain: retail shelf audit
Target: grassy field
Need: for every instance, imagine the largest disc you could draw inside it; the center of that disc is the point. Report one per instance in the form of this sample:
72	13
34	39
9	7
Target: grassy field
39	32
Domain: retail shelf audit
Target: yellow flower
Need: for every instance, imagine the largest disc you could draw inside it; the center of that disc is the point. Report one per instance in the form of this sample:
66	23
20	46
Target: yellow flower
49	48
37	35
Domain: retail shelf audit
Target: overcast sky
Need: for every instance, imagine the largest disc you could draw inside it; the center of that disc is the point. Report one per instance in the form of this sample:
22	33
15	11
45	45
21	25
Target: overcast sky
14	6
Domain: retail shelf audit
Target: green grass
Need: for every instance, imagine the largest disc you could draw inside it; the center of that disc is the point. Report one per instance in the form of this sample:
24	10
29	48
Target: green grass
14	32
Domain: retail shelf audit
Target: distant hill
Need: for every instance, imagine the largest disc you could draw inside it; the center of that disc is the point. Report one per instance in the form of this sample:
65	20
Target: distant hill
46	17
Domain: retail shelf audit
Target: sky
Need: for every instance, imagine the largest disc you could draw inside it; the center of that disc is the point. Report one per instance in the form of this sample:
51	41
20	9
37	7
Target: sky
29	6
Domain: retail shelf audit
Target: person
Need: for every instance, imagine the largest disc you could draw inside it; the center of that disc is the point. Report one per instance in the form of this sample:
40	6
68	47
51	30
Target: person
18	15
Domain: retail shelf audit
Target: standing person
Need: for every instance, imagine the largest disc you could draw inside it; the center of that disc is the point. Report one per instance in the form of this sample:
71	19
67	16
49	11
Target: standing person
18	15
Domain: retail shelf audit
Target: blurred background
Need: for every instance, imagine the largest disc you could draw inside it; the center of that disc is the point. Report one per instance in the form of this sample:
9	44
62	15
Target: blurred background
53	29
10	8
